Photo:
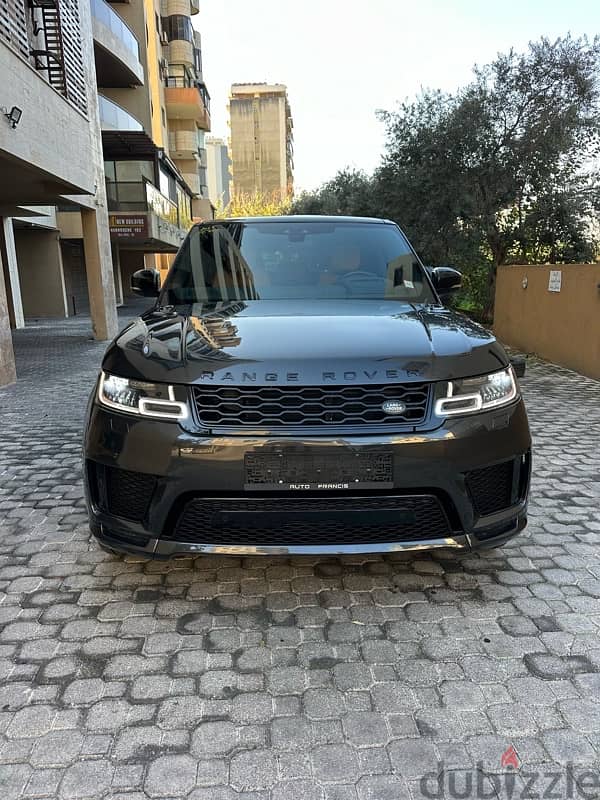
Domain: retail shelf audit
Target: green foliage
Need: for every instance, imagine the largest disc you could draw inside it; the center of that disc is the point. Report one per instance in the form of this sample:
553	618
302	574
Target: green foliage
349	192
499	172
255	204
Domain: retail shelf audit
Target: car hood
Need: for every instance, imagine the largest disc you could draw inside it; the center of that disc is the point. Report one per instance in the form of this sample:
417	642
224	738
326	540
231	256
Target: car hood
272	342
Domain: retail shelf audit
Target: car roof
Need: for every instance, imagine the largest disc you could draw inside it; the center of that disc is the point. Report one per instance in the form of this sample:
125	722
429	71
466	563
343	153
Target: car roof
298	218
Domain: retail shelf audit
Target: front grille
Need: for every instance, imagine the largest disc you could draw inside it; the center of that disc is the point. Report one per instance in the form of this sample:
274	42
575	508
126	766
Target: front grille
315	406
285	521
127	494
491	488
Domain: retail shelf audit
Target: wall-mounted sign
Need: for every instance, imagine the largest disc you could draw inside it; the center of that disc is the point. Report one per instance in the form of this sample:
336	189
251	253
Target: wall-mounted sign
128	226
555	280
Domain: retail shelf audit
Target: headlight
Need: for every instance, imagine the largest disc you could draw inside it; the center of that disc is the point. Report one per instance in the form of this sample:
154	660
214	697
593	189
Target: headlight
138	397
469	395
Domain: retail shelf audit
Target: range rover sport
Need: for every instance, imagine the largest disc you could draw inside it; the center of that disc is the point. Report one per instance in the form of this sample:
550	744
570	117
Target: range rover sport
298	387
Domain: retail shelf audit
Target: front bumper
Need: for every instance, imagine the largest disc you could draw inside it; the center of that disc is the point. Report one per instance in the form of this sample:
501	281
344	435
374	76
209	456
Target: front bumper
181	466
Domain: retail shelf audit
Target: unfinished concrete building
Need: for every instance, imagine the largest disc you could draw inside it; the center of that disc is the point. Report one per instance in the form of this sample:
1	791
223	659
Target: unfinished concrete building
261	140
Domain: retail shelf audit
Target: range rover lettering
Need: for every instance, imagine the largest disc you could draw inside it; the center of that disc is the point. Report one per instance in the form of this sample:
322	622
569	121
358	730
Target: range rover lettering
298	387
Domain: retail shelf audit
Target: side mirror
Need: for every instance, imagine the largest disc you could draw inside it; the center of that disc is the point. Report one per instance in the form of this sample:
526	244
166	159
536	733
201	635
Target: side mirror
446	279
146	282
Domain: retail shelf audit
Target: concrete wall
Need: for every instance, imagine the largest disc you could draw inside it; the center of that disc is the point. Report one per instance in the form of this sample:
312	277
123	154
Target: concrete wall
69	223
564	326
41	273
39	139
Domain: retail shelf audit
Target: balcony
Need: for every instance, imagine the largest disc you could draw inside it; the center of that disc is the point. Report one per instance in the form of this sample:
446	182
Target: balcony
185	101
142	218
115	118
180	7
116	49
193	181
183	144
181	52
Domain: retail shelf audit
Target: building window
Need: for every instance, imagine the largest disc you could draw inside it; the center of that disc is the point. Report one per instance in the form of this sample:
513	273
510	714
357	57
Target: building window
133	171
109	171
168	185
180	76
179	26
198	60
126	184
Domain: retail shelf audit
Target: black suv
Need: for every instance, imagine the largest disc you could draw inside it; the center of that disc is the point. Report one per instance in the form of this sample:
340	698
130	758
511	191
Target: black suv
298	387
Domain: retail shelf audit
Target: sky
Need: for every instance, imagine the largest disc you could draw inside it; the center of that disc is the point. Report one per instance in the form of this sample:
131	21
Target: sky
342	60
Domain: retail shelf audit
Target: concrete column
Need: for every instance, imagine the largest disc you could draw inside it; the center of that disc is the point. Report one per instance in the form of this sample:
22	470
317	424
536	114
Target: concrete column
118	278
94	216
11	280
8	372
99	269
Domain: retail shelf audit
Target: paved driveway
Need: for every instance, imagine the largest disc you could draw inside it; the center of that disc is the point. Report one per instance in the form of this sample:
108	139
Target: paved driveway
220	678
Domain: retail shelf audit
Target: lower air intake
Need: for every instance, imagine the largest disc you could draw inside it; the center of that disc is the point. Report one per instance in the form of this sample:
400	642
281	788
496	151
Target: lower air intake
287	522
128	494
491	488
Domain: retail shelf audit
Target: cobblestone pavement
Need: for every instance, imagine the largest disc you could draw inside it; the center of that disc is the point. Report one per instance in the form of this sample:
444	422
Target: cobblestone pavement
290	679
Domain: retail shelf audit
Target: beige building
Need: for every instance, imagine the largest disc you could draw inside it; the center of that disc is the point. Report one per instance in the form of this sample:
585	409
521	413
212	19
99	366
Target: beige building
50	149
187	100
261	141
153	113
217	171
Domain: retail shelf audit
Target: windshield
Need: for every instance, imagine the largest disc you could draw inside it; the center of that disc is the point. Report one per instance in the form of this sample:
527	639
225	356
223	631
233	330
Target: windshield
294	259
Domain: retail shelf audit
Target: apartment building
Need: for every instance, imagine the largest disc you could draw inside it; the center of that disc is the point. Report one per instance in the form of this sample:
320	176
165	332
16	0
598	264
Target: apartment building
48	113
187	101
217	171
101	134
154	180
261	139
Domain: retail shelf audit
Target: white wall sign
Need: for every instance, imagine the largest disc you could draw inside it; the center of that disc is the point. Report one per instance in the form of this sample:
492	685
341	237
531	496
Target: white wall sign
555	280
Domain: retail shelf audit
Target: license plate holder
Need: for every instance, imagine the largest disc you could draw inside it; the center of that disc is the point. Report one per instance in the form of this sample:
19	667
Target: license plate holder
307	470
